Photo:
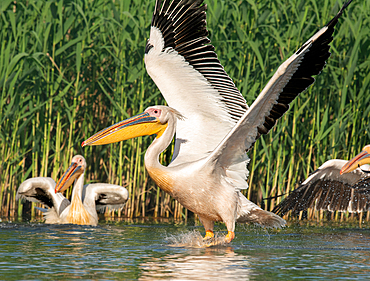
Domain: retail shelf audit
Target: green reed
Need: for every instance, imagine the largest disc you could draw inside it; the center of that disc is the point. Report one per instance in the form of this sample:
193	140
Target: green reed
71	68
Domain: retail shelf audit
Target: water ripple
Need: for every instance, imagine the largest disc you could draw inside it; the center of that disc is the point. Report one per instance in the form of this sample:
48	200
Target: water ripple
152	250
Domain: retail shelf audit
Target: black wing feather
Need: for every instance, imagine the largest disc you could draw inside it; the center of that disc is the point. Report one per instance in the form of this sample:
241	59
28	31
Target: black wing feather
312	64
325	195
183	27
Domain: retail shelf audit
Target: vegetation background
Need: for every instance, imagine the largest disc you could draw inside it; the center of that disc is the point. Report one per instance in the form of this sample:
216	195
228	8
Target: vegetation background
69	68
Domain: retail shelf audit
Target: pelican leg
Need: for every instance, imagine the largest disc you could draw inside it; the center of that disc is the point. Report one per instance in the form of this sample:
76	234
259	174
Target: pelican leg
208	226
230	236
230	225
209	235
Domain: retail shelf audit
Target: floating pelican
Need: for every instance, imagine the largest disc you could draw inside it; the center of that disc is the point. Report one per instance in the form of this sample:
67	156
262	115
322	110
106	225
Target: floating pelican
86	199
213	124
337	185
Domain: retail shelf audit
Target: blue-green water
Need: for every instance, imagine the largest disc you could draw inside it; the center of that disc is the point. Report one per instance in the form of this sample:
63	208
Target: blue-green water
150	250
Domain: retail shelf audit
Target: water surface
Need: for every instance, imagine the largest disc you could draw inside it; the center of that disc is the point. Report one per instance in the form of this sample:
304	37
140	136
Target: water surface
150	250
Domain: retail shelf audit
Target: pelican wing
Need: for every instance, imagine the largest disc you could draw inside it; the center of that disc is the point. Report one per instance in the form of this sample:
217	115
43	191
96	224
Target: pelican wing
186	69
291	78
42	190
326	189
104	195
363	186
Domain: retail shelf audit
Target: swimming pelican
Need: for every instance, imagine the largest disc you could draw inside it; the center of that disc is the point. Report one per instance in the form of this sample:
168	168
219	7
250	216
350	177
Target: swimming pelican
337	185
213	124
86	199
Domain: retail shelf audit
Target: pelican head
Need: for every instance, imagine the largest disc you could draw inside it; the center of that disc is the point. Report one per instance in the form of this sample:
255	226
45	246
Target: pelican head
77	167
360	159
153	121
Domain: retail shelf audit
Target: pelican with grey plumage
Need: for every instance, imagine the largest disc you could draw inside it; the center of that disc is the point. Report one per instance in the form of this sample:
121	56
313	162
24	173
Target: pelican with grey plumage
337	185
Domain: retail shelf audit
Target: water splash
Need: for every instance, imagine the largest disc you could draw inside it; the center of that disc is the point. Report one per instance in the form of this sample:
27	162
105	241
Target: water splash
194	239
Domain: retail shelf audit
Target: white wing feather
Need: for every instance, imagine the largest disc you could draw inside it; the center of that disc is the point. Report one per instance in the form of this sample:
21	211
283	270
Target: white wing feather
101	195
186	90
241	138
46	185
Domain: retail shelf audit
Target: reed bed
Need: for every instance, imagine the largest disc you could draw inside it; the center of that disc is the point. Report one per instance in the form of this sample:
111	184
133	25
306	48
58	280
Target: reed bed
71	68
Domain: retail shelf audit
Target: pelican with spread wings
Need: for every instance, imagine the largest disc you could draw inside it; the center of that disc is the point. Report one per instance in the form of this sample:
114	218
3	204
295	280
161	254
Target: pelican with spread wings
213	124
86	199
337	185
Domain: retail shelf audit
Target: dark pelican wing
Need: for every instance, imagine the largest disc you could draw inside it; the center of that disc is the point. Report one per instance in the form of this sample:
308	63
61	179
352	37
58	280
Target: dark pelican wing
291	78
363	186
186	69
326	189
42	190
104	195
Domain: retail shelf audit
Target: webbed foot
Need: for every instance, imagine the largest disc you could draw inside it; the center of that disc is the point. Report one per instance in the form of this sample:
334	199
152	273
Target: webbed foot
209	235
229	237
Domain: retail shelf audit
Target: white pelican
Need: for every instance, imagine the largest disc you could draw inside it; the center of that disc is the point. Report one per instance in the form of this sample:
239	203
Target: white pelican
338	185
86	199
213	124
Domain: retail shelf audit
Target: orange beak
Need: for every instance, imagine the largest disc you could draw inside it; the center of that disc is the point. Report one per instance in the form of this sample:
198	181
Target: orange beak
137	126
360	159
72	173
